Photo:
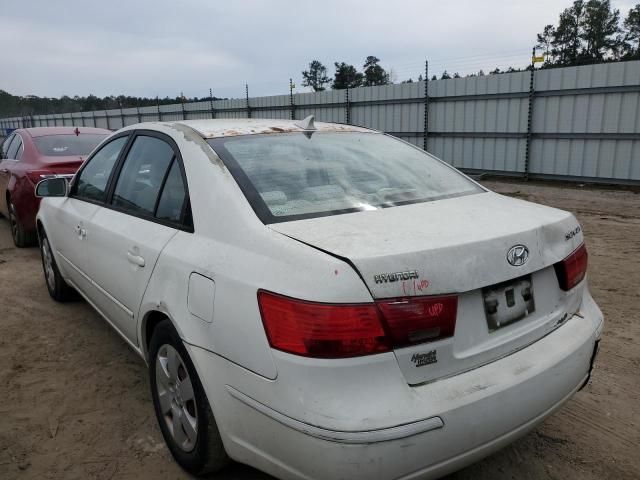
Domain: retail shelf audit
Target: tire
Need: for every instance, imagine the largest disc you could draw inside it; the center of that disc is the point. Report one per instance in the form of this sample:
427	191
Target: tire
196	445
59	290
21	238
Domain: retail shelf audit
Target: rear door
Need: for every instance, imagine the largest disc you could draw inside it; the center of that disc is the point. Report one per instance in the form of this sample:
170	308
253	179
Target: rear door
67	231
147	205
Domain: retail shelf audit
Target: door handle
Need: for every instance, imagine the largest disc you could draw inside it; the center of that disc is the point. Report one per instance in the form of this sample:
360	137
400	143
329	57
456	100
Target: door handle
135	259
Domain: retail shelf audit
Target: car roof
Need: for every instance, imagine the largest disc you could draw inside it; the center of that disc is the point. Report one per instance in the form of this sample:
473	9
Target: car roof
44	131
231	127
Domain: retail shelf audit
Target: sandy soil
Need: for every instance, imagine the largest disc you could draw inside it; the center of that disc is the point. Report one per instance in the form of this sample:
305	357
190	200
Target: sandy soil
75	403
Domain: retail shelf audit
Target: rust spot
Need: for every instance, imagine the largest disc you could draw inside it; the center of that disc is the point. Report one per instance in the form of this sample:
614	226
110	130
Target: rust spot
277	129
336	272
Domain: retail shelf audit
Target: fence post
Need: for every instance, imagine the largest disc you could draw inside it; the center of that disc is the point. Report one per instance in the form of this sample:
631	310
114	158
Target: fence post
292	106
159	112
213	110
184	112
347	107
82	118
426	105
246	88
106	116
527	149
121	114
138	111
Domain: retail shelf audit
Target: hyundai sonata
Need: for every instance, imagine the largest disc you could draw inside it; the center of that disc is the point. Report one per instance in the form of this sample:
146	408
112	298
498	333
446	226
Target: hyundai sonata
321	300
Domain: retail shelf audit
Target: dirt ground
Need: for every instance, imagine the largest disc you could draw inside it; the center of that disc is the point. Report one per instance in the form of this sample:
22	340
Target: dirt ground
75	402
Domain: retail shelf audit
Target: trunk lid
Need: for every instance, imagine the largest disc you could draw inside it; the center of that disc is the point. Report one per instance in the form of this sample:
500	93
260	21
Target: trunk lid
456	246
62	165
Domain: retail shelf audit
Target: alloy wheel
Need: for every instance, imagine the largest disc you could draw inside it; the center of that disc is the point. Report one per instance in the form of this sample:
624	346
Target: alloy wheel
13	221
176	397
47	260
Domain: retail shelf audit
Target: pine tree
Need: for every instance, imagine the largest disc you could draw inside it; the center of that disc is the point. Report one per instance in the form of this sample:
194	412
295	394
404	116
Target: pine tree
374	74
599	30
631	29
316	76
346	76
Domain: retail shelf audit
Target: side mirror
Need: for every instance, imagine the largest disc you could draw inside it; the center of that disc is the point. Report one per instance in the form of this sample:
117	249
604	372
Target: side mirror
52	187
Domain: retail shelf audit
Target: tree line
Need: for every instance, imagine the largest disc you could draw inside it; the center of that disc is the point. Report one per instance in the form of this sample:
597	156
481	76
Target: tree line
591	32
345	76
14	105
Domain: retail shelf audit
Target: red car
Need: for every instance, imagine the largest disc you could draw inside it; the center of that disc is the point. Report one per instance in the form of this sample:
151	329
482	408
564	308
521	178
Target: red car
28	156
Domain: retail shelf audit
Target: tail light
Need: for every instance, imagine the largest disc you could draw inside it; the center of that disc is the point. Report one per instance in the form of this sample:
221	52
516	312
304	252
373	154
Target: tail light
572	269
324	330
36	175
419	319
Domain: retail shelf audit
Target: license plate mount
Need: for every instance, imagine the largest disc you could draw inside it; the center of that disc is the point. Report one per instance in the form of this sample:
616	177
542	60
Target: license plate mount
508	302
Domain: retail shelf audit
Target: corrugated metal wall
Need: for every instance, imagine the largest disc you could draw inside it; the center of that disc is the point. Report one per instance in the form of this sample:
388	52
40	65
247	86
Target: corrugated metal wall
585	121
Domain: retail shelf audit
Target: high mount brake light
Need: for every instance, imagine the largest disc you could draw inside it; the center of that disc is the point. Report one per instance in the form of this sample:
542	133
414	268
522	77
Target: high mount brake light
323	330
572	269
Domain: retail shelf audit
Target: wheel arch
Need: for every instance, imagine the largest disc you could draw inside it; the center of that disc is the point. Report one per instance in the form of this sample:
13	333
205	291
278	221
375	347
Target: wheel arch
150	321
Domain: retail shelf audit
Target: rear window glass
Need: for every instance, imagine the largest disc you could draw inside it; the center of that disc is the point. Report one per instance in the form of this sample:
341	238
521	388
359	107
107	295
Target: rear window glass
296	175
68	145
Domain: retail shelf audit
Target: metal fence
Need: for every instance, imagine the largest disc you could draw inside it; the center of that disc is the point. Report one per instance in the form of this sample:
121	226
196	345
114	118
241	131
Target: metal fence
575	123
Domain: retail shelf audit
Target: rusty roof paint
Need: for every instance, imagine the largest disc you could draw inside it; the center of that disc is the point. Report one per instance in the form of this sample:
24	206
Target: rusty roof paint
253	126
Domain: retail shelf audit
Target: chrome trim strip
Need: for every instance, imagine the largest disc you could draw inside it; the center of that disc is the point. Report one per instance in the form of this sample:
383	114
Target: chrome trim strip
100	289
359	437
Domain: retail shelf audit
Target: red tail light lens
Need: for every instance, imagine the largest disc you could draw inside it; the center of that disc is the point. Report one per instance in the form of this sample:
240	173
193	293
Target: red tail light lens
323	330
36	175
419	319
572	269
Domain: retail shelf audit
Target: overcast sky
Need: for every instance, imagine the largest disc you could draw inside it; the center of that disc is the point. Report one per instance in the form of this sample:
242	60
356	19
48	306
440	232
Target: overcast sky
156	47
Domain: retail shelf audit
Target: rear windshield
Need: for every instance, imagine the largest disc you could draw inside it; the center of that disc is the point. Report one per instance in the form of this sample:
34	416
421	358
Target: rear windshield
293	176
68	145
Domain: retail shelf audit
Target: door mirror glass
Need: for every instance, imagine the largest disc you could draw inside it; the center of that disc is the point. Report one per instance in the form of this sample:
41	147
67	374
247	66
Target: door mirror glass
52	187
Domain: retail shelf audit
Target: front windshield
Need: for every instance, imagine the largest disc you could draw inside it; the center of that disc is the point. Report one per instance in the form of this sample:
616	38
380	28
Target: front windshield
299	175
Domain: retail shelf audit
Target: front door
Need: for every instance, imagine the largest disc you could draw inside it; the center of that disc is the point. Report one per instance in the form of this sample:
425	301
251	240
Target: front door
130	231
68	230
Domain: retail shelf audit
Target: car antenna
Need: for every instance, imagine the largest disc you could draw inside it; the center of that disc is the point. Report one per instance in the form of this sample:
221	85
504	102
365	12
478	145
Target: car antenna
306	124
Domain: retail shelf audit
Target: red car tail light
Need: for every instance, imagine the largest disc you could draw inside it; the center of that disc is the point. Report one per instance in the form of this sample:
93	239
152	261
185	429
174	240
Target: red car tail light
36	175
322	330
572	269
419	319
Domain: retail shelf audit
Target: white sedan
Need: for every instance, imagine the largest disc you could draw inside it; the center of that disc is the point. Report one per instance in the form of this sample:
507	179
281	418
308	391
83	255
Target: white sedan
320	300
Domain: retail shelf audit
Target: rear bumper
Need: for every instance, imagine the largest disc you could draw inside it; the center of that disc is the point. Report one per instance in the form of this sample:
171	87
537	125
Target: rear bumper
455	421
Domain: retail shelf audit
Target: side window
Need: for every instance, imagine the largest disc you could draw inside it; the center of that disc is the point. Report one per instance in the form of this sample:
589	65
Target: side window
92	182
5	146
173	197
13	148
20	150
142	175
